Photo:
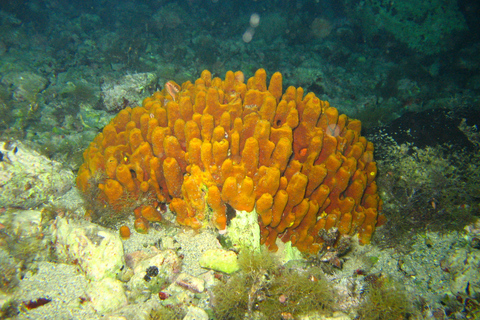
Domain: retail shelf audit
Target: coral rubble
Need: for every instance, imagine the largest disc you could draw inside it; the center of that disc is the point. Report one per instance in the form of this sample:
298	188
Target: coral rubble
203	146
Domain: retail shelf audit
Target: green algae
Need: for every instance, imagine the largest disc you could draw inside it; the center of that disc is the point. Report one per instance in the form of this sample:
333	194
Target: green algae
386	299
263	289
430	189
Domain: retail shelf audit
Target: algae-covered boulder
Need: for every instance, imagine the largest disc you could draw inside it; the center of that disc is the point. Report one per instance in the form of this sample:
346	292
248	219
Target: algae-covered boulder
219	260
426	26
96	250
244	231
28	179
127	91
106	295
24	85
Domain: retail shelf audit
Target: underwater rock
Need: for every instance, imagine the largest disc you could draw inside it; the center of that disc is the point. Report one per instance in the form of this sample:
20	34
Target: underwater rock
74	92
195	313
127	91
24	85
463	267
473	230
219	260
24	223
407	91
28	179
142	283
244	231
106	295
191	283
8	19
96	250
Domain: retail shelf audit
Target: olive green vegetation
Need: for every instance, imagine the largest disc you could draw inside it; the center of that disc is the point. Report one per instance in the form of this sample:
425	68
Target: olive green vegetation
6	110
257	261
385	299
15	117
79	92
372	115
431	189
262	289
426	27
166	313
68	151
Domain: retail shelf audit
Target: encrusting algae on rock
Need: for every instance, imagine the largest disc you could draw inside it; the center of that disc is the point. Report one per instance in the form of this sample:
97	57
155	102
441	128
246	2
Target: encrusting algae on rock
205	145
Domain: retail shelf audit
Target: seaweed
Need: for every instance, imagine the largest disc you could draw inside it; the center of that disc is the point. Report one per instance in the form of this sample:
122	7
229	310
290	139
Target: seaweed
385	299
431	189
166	313
264	289
231	297
252	262
294	293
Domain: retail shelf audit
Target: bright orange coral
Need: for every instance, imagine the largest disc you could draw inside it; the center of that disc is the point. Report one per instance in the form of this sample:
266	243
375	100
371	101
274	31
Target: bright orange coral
214	143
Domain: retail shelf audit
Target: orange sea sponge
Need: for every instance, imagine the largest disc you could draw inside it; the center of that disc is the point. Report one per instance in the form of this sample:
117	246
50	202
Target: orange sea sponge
124	232
204	146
